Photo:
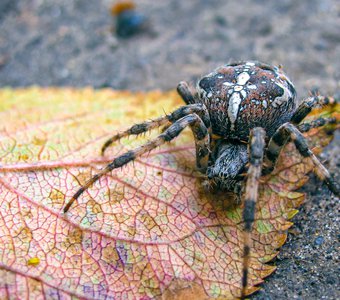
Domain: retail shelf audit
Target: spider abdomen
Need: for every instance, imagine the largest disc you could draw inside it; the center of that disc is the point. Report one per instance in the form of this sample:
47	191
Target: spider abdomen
242	96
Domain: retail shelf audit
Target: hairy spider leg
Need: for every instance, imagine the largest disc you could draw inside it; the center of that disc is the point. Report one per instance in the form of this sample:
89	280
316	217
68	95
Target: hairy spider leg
305	127
286	133
166	120
256	151
202	140
307	105
184	91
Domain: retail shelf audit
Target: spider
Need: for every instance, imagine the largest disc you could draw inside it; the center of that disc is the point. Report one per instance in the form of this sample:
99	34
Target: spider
241	115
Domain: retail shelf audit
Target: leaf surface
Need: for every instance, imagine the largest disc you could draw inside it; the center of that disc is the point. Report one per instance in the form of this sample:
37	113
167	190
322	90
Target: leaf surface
144	231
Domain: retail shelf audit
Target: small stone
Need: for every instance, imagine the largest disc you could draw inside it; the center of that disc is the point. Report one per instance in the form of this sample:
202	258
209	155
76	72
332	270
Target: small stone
319	240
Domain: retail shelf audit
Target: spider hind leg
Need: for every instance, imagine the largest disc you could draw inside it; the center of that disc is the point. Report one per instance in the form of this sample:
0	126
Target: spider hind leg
288	132
202	140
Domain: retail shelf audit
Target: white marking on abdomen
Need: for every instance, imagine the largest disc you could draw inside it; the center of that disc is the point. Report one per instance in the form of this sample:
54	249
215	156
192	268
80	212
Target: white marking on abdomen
234	103
243	78
235	98
228	83
284	98
243	93
264	103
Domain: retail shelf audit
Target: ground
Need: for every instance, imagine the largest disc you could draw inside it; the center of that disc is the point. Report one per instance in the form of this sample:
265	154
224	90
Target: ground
70	43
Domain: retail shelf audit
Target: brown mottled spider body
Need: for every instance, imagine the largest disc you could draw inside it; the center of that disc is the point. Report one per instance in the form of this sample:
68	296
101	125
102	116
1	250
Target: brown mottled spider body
243	96
241	115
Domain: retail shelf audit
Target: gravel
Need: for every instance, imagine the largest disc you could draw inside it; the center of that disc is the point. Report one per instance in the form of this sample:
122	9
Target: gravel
71	43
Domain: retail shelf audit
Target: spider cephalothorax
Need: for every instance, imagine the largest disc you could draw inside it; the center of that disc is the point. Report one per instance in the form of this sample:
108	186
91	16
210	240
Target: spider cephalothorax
227	161
241	115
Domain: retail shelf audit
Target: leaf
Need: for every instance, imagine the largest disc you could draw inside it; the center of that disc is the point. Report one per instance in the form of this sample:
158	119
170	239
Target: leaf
143	231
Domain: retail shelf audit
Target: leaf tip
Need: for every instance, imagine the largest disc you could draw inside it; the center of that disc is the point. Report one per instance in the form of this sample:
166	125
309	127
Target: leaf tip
252	290
267	270
292	213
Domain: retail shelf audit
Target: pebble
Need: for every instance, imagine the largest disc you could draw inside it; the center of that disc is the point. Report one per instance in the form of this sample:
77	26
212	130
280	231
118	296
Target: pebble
319	240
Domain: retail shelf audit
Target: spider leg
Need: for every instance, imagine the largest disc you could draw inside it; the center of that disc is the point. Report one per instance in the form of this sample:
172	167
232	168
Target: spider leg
304	127
165	120
256	151
288	132
202	140
184	91
307	105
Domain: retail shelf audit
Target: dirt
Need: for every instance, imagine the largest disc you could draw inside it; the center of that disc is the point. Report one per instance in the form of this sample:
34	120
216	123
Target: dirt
71	43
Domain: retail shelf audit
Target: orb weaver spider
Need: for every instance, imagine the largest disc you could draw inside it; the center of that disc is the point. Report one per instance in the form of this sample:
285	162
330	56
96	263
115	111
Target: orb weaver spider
241	115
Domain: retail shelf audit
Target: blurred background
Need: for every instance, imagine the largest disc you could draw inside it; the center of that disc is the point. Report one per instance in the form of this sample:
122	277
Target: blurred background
75	43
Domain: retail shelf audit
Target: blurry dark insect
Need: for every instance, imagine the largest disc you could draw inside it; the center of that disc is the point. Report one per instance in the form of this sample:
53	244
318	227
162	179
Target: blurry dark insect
242	115
128	21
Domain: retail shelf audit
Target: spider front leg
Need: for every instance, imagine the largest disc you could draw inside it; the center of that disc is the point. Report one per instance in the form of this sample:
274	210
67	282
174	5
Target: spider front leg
288	132
305	127
256	150
202	140
307	105
166	120
184	91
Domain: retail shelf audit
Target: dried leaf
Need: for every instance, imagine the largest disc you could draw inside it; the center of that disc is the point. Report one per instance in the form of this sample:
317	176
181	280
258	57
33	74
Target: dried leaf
147	230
